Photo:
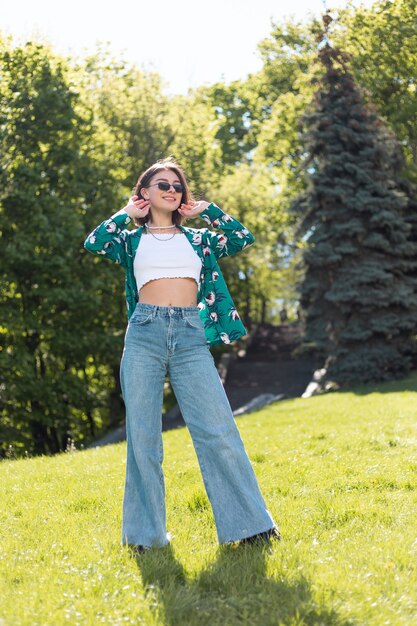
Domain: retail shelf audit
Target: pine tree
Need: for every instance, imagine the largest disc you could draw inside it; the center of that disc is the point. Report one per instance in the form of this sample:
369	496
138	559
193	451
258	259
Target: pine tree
358	295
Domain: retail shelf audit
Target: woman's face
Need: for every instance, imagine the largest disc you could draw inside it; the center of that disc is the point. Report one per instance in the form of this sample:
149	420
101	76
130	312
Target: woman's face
161	199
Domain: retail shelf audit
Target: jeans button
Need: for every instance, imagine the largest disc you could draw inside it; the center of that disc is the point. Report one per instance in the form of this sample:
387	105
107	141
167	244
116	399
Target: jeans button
171	310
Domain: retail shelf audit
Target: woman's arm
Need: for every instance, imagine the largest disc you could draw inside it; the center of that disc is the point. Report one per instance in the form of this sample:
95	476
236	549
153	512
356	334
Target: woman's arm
108	238
235	237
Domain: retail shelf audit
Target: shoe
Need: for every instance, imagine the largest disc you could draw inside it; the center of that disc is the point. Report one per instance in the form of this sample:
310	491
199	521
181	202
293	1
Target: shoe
266	536
137	549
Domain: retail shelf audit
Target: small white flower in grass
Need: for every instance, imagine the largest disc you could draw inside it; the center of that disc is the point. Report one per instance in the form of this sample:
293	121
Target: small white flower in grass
70	447
10	454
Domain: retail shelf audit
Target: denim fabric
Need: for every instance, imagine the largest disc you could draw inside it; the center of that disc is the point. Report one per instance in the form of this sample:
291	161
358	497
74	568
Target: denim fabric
164	340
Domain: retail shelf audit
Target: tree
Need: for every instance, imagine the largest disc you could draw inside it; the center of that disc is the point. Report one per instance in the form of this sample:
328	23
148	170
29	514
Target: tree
193	127
383	41
247	193
359	291
44	170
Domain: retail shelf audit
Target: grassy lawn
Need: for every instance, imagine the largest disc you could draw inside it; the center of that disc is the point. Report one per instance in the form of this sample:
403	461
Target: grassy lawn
338	473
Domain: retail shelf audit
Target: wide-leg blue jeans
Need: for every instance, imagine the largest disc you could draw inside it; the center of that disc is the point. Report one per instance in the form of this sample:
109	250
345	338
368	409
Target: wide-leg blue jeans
164	340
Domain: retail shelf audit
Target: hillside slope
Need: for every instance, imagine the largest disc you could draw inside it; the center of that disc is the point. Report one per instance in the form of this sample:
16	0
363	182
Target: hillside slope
338	473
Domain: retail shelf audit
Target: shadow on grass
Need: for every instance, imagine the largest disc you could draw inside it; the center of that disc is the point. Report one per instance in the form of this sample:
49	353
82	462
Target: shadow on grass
233	589
409	383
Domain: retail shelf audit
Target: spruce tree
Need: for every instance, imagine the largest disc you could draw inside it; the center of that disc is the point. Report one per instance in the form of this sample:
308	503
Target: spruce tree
358	295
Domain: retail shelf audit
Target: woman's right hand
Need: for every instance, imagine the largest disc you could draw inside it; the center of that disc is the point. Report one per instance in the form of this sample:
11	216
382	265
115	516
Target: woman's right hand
137	207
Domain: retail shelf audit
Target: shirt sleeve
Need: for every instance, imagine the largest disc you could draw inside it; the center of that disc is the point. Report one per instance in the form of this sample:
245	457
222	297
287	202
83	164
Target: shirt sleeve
235	236
109	240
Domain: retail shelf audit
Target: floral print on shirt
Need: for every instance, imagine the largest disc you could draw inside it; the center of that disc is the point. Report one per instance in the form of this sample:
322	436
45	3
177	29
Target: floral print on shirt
222	323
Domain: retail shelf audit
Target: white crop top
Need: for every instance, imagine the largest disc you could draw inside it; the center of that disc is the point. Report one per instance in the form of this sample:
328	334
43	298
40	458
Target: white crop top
174	257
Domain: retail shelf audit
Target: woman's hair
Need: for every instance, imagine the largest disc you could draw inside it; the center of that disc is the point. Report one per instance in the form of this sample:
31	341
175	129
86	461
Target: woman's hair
145	178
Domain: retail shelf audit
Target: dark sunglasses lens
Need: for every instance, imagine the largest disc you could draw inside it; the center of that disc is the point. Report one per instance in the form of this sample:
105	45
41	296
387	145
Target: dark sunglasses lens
166	186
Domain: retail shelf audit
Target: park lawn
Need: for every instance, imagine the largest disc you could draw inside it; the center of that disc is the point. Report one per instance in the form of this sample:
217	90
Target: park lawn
338	473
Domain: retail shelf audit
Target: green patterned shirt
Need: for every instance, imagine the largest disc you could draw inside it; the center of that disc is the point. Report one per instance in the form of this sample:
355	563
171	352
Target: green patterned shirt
218	313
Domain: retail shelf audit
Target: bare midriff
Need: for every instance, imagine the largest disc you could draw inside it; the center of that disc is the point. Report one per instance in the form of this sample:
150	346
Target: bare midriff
170	292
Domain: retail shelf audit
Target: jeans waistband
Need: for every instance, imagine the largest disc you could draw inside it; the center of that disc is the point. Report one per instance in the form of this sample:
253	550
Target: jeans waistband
157	309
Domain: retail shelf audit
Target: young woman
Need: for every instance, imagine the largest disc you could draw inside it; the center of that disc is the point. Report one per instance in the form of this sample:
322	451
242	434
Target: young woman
178	305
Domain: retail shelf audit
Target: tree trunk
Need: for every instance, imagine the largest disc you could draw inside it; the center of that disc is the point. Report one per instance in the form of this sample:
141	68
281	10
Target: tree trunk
115	404
263	310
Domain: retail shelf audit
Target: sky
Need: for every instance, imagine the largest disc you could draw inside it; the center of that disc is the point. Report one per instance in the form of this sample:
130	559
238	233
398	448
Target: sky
188	42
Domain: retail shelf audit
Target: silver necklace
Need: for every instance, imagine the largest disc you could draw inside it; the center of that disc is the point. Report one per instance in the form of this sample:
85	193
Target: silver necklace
154	227
173	226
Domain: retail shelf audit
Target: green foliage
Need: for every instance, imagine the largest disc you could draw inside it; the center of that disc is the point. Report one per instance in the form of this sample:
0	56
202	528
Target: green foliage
383	41
254	277
359	291
44	168
232	106
193	142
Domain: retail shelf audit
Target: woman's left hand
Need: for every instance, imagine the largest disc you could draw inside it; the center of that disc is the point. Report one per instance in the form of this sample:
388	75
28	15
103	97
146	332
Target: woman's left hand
193	208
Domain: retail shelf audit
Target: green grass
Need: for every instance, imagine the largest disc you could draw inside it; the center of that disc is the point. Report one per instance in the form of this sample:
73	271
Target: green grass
338	473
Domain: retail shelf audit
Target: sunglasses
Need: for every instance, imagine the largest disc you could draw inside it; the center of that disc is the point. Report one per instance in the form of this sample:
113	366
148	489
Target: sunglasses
163	186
